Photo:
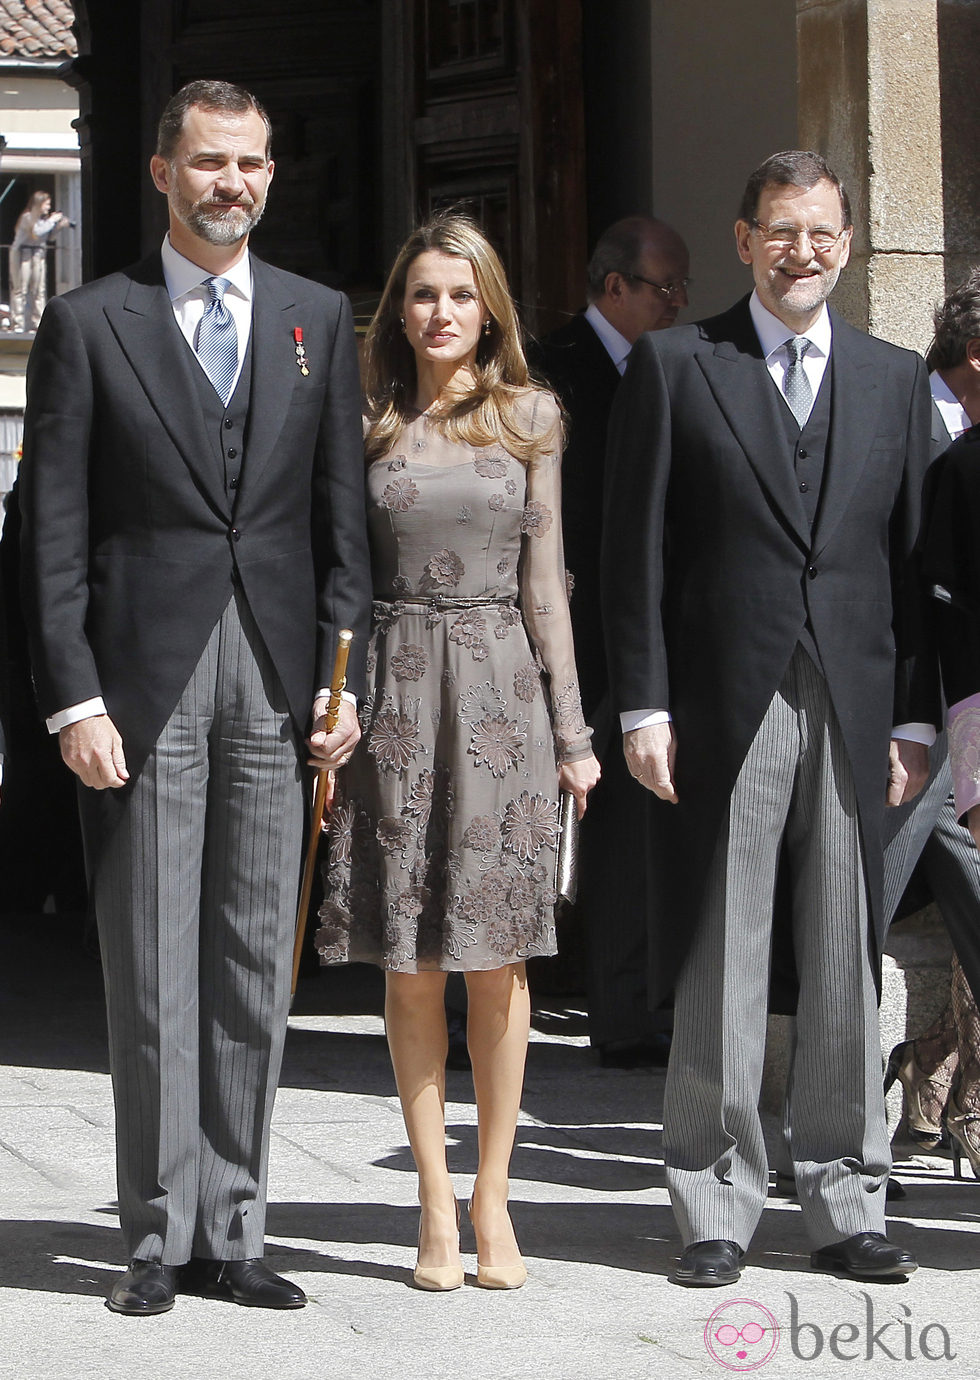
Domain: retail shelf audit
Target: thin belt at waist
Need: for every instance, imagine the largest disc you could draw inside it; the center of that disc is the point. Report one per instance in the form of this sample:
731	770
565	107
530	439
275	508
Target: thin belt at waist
384	608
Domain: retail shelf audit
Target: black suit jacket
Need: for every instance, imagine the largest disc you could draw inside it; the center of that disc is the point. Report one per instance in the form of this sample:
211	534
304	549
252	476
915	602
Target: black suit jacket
131	541
710	572
952	563
575	363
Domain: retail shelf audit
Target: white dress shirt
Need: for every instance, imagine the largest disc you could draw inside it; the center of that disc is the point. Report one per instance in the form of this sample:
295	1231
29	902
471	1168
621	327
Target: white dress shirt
616	345
956	420
773	335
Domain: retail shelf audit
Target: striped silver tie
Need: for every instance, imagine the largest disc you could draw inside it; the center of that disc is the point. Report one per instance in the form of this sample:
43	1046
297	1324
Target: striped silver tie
796	385
217	340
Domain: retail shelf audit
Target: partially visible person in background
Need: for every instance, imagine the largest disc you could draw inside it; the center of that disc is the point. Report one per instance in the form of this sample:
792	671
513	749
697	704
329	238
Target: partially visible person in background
940	1069
35	226
637	281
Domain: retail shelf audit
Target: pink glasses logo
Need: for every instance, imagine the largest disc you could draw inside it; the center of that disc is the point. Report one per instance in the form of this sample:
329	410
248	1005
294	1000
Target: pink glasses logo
741	1335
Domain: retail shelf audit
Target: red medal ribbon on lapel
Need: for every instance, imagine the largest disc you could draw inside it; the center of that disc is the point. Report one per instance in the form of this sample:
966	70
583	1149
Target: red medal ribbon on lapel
300	350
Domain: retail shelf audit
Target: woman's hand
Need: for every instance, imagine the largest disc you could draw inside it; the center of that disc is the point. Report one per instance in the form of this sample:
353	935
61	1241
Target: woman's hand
579	778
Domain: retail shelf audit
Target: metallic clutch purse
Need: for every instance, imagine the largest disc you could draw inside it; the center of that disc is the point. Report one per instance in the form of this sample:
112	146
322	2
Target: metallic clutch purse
566	864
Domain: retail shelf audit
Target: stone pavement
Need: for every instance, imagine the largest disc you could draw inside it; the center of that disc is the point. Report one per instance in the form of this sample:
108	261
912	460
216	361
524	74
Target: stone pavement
588	1197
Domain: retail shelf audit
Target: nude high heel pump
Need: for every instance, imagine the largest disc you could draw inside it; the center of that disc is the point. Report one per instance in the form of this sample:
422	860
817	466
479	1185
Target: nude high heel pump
957	1123
498	1276
902	1066
438	1279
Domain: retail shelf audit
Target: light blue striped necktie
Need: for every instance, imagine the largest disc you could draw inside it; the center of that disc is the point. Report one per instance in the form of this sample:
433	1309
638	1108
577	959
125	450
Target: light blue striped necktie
217	340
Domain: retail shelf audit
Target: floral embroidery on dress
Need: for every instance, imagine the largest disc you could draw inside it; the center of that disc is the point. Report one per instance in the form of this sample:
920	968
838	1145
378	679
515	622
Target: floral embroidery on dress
410	662
490	466
394	835
469	630
445	568
478	701
511	487
527	682
497	503
508	618
481	834
464	515
400	495
503	565
537	519
498	742
398	463
530	822
393	737
568	711
419	802
401	584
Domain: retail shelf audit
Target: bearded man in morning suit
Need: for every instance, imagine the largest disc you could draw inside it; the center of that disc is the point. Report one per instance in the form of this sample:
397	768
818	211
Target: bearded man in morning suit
193	538
764	479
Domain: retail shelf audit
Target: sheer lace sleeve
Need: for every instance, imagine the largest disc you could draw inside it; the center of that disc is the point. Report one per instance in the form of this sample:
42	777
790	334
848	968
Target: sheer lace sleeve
543	592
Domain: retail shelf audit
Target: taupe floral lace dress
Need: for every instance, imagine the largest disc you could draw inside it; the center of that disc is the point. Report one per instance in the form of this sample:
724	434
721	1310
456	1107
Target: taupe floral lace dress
442	841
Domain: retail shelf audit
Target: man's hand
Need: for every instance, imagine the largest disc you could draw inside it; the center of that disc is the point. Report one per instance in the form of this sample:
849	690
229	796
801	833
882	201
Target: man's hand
908	770
650	756
93	749
328	751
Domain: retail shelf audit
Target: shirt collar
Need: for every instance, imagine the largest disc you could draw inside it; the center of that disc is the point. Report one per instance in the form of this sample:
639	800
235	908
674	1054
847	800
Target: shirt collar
773	333
617	346
182	276
955	417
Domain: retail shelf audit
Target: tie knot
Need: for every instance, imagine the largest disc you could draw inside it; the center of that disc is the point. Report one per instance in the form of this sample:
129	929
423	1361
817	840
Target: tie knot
797	347
216	287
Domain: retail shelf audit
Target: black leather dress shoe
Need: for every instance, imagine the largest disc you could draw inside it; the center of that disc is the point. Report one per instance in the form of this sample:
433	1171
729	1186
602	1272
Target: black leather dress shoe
146	1288
708	1264
869	1255
248	1282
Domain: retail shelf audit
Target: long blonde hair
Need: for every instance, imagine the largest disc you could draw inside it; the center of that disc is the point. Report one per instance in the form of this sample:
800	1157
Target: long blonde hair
486	415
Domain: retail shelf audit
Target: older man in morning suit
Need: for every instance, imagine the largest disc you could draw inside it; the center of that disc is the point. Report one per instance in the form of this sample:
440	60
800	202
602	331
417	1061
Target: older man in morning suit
765	473
637	281
193	538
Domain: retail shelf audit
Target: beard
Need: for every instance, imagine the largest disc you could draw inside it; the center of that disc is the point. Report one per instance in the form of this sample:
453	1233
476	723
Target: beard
806	295
216	221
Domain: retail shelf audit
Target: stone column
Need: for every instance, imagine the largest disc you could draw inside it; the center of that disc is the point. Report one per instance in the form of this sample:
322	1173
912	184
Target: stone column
869	101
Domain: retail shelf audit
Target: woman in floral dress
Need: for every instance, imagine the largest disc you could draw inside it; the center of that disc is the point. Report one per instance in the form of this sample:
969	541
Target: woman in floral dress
443	836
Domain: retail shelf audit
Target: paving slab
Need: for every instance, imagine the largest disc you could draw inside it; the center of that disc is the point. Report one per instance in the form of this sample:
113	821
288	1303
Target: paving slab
589	1203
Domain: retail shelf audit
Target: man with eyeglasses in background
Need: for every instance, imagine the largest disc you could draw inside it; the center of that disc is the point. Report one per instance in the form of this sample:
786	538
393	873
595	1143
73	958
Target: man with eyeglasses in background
637	281
768	656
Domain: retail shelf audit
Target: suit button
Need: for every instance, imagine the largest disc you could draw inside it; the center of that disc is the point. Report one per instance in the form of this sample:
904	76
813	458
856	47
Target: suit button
228	424
803	455
811	570
803	486
233	483
232	452
236	536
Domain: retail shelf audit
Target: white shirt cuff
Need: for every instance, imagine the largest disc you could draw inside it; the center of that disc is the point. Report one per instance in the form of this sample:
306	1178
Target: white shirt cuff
88	709
642	718
916	733
344	695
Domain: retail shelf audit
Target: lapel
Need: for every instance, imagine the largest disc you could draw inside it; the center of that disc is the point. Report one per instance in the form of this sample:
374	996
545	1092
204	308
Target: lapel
732	362
150	338
274	370
856	376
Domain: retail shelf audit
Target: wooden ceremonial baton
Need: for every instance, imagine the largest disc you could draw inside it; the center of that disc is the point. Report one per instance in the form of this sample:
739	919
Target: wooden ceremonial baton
344	638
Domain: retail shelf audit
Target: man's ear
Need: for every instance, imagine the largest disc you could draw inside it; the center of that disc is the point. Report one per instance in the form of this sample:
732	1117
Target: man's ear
973	353
160	172
614	285
742	232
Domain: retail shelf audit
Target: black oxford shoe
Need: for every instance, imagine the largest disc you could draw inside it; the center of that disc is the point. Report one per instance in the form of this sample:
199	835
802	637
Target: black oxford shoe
869	1255
146	1288
708	1264
248	1282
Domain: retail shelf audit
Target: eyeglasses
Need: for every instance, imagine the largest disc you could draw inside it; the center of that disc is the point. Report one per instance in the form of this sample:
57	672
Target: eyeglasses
666	290
785	236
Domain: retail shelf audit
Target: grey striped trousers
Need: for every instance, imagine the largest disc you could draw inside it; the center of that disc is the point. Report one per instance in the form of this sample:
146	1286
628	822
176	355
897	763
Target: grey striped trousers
795	783
195	898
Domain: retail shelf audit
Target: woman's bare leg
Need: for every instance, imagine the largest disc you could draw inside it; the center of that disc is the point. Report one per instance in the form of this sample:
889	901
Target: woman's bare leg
415	1022
497	1033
